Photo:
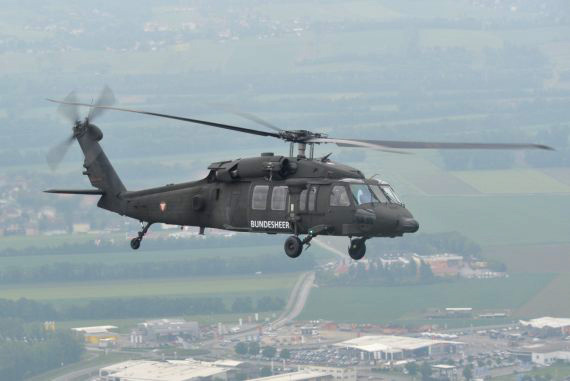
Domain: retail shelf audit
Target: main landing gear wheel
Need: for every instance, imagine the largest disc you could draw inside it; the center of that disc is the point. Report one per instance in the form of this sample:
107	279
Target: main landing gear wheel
135	243
293	246
357	248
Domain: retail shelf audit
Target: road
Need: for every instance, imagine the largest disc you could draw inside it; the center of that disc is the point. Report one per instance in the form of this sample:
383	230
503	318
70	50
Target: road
295	304
297	300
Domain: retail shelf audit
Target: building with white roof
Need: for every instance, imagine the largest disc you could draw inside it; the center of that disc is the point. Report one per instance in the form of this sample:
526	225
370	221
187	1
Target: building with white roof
548	326
544	353
304	375
174	370
393	348
337	373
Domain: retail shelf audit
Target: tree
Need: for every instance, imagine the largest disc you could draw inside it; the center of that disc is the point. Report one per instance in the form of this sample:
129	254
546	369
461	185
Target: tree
241	348
468	372
412	369
265	371
269	352
253	348
285	354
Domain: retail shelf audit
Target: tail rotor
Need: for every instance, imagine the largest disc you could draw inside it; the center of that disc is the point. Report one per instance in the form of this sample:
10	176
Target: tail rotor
69	109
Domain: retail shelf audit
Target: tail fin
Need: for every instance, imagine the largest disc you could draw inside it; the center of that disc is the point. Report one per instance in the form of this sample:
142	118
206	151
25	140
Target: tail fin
100	172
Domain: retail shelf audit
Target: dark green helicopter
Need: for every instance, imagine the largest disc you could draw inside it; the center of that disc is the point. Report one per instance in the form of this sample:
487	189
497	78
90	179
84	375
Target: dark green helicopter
296	195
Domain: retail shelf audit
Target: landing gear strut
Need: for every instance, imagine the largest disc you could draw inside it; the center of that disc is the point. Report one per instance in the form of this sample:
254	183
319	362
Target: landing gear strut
294	245
357	248
136	242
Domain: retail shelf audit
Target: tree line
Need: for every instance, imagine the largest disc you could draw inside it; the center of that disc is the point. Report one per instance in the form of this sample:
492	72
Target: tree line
140	307
378	273
27	349
159	244
72	272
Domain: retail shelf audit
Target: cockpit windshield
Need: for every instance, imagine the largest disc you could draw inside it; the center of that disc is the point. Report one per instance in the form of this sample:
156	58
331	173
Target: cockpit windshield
390	194
372	194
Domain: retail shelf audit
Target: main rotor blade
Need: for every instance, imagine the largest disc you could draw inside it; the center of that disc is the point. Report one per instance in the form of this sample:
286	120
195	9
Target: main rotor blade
106	98
355	143
198	121
401	144
248	116
56	154
68	109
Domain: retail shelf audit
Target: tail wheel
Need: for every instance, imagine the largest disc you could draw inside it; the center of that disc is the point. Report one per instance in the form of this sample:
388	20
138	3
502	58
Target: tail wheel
357	248
293	246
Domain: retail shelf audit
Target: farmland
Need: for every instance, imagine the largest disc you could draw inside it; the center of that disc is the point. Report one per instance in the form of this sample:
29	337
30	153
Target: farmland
389	304
211	286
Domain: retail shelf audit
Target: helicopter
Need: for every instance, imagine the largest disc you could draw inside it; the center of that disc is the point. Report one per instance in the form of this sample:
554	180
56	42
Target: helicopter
299	195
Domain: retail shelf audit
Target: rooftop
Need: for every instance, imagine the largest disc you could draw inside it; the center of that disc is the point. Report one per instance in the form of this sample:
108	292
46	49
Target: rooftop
387	343
175	370
547	322
95	329
294	376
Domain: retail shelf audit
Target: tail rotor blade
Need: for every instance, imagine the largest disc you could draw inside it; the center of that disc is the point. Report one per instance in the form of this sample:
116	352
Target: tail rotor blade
56	154
69	110
106	99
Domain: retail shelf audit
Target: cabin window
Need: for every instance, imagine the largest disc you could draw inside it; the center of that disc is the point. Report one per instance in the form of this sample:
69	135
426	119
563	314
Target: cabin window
362	194
313	198
259	197
303	201
339	196
279	198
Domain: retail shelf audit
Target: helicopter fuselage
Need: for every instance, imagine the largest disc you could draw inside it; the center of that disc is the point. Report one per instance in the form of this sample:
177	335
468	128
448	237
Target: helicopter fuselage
276	194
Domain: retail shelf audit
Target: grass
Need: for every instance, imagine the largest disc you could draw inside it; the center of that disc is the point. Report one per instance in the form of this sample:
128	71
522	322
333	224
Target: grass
390	304
277	285
498	219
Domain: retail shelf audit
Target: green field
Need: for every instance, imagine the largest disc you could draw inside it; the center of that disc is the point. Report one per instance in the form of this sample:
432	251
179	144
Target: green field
276	284
496	219
556	372
142	256
389	304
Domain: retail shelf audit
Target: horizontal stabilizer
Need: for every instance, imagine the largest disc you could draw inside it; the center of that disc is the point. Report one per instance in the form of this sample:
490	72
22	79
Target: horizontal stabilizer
76	191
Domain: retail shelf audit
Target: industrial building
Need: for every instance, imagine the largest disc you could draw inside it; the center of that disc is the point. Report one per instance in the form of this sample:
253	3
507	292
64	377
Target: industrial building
544	354
164	330
338	374
98	334
395	348
303	375
173	370
547	326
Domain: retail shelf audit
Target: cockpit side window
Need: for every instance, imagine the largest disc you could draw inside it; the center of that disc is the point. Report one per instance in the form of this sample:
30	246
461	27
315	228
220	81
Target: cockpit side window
362	194
339	196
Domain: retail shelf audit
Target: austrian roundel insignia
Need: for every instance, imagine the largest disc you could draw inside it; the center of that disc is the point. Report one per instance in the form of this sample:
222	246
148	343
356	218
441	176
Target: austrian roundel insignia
162	206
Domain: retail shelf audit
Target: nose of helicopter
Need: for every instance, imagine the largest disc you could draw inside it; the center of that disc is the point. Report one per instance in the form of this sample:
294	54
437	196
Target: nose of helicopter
408	225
